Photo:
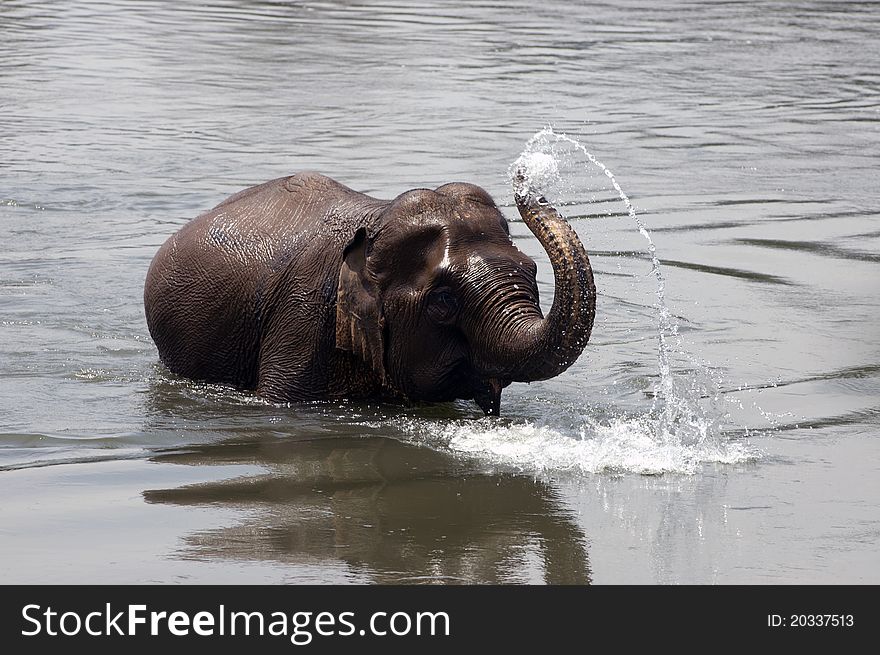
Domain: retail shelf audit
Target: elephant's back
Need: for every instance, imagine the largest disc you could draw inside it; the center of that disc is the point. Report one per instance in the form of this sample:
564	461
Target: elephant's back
215	284
261	223
266	225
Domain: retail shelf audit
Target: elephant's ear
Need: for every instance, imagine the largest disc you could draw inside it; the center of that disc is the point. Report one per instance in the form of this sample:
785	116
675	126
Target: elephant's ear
359	320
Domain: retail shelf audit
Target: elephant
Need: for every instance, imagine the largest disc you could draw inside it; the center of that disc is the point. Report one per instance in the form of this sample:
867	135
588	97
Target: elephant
302	289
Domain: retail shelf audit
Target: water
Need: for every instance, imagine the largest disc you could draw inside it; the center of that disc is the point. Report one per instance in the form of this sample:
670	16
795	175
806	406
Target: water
732	439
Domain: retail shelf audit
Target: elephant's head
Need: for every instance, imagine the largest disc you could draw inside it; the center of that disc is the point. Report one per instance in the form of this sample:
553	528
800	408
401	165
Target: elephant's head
442	305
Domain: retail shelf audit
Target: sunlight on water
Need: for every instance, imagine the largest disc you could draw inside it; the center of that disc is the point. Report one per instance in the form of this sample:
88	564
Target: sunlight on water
682	429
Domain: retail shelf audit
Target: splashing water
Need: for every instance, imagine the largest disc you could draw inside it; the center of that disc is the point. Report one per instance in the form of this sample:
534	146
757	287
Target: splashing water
541	170
618	445
678	434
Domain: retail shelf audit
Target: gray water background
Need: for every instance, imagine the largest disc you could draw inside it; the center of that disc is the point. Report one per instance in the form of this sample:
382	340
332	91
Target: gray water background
747	136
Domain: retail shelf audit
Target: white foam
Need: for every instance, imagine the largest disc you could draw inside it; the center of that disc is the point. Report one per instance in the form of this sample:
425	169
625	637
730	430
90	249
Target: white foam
620	445
539	171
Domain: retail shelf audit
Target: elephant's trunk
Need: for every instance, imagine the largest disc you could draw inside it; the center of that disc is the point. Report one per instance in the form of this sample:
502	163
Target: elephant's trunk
541	348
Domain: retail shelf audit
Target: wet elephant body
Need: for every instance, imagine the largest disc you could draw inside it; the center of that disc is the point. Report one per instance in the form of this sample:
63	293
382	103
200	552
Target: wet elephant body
303	289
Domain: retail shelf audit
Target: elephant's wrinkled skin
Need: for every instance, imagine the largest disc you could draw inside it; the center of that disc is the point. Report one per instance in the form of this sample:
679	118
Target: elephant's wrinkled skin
301	288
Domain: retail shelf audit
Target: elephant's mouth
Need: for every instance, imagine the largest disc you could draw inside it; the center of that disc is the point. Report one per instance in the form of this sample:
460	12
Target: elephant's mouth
460	381
488	395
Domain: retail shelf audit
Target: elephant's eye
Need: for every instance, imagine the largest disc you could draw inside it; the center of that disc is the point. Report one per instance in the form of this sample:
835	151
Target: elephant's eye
442	305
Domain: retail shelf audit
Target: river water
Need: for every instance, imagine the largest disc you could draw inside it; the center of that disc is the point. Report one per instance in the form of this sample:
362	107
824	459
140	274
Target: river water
746	136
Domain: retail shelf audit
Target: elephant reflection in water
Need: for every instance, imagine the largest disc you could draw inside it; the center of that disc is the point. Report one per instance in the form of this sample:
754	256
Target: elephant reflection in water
397	512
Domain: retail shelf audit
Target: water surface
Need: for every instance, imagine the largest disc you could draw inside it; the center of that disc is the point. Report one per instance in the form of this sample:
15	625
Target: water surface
745	135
